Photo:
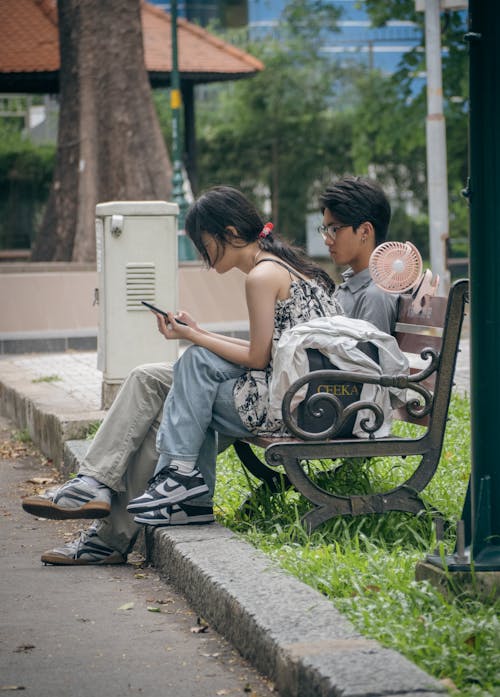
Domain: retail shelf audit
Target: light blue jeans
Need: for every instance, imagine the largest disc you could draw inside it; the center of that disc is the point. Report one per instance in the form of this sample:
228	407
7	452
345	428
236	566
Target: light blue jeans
199	403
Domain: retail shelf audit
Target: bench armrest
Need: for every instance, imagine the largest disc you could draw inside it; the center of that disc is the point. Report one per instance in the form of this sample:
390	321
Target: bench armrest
321	403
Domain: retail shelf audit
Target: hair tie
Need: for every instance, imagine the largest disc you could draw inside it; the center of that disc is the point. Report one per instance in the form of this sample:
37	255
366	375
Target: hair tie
266	230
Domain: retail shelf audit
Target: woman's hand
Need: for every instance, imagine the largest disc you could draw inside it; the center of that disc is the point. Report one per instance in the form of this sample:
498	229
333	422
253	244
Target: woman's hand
172	329
185	317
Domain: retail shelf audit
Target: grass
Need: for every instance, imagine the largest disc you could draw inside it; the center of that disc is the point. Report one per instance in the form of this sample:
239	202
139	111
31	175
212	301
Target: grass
22	436
48	378
366	565
92	429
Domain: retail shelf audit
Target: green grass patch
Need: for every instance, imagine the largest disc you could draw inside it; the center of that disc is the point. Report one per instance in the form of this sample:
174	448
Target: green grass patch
48	378
366	564
22	436
92	429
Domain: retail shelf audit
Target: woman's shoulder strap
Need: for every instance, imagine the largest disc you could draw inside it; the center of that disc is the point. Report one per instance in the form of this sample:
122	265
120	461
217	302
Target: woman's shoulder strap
281	263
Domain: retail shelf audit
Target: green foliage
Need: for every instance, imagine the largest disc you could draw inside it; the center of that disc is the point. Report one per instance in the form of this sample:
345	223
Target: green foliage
404	132
305	120
161	101
284	130
25	176
366	564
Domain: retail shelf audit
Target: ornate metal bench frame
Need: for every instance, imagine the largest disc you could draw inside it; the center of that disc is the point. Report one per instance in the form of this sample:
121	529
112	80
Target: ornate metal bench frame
430	392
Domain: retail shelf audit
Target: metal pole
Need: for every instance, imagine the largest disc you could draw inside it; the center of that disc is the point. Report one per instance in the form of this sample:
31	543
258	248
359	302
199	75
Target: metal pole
437	177
480	548
185	247
484	38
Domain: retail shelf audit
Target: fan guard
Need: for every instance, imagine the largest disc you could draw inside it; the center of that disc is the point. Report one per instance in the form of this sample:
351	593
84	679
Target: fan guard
396	267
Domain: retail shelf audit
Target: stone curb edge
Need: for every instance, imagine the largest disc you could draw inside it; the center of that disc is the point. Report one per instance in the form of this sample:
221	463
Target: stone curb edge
286	629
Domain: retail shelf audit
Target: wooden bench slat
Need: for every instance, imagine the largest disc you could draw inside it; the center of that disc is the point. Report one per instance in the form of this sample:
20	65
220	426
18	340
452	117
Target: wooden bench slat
416	343
432	315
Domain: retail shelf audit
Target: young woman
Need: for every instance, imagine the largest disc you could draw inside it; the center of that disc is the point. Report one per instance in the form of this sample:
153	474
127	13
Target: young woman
221	383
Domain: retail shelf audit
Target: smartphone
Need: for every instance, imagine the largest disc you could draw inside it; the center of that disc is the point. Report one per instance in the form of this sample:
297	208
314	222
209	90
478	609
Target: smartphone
160	312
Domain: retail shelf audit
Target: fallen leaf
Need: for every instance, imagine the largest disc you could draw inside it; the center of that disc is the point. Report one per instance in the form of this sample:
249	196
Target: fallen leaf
41	480
139	575
201	626
12	687
449	684
126	606
471	641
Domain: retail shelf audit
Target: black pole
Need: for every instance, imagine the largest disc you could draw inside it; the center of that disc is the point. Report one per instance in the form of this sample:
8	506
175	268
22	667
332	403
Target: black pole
484	37
186	251
479	548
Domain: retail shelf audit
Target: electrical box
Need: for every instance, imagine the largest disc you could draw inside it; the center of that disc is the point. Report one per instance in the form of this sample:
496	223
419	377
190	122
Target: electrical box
136	249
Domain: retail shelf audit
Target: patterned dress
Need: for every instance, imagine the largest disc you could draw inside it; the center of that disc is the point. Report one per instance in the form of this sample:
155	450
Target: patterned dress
307	300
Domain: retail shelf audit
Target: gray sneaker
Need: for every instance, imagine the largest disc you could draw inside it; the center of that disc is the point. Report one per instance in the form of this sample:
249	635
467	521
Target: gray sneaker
86	549
74	499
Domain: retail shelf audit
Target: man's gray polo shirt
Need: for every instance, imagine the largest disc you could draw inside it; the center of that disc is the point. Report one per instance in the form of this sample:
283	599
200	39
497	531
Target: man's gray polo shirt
362	299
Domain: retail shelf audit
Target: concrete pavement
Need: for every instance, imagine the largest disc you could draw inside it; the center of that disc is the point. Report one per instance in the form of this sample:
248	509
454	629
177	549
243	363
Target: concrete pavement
287	630
105	631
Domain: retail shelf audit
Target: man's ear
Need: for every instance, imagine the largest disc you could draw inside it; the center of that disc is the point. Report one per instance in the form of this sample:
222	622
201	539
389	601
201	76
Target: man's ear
367	232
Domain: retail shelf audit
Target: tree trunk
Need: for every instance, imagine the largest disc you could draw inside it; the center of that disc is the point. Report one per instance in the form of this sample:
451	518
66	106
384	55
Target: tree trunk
110	146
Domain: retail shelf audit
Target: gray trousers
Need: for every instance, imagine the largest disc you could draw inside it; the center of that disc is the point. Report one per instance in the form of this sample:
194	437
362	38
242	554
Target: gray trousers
123	454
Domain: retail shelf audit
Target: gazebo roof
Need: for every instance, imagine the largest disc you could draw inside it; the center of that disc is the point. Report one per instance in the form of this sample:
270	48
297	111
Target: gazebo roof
29	49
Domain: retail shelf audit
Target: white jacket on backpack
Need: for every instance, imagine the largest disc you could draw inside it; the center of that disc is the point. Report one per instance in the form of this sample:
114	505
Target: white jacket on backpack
337	338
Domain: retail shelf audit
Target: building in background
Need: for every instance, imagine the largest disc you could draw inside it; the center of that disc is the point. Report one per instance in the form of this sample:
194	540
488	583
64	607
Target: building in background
380	48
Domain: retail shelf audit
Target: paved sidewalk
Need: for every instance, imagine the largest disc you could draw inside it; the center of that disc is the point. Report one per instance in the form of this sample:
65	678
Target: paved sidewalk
112	631
287	630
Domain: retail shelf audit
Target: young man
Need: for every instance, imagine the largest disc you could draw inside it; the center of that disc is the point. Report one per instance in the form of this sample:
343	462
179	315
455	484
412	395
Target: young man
356	216
123	456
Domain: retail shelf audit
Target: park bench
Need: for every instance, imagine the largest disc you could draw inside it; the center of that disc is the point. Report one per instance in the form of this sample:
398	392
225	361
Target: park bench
431	334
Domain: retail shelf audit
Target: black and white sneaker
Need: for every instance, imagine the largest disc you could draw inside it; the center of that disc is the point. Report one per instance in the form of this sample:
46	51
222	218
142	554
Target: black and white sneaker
74	499
87	548
177	514
167	488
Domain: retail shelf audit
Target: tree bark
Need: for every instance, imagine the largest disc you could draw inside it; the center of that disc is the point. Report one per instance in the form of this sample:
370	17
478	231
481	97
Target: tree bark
110	146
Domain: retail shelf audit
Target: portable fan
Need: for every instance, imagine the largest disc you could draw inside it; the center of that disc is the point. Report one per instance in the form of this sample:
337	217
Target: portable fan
396	267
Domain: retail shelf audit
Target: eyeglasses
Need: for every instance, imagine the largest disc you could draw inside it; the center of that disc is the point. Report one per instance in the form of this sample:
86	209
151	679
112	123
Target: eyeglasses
329	232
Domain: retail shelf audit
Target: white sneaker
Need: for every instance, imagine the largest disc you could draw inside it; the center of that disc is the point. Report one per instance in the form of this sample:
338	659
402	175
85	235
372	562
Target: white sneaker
178	514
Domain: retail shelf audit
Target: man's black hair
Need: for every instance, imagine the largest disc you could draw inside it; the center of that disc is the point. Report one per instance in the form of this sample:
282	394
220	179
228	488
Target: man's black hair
354	200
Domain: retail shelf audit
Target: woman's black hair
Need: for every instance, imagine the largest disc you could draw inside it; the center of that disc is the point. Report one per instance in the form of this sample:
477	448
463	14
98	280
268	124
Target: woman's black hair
222	207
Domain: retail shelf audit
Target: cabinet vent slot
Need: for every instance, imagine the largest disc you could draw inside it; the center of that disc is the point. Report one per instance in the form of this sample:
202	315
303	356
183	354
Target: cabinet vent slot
141	284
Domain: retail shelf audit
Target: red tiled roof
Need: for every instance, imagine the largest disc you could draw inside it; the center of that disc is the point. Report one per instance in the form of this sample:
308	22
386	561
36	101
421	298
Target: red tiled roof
29	44
199	51
28	36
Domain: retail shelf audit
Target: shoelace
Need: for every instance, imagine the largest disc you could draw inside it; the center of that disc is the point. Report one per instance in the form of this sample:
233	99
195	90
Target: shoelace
158	477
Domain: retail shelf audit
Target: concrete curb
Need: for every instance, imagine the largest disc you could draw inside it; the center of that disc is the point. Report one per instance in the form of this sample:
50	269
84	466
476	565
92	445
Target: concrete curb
287	630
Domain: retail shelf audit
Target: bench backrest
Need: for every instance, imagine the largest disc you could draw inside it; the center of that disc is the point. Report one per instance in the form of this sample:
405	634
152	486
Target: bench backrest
437	326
